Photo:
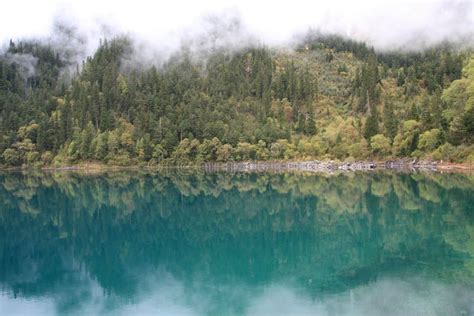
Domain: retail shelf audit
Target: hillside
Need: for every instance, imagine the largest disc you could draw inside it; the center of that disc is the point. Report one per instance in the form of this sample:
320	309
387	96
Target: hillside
329	98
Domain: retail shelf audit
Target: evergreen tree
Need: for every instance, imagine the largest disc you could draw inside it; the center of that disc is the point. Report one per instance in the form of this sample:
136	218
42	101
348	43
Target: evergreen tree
310	127
401	78
413	113
86	149
371	127
390	121
101	146
468	122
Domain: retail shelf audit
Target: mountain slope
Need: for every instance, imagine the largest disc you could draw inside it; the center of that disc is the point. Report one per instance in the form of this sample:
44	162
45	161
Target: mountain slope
329	98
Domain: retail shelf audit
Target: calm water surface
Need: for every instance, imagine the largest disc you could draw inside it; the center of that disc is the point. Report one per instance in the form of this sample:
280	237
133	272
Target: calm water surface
179	243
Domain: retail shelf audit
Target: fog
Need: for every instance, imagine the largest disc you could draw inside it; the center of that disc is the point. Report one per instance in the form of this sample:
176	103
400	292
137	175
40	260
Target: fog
26	63
161	27
163	294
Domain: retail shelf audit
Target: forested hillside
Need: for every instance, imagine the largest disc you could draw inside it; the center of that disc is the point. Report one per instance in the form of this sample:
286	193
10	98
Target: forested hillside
329	98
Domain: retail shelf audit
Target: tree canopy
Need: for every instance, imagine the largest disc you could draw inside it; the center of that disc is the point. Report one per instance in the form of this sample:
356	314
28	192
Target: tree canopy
328	99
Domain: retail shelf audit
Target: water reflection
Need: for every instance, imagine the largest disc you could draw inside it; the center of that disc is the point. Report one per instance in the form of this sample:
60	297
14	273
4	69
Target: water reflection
195	243
167	296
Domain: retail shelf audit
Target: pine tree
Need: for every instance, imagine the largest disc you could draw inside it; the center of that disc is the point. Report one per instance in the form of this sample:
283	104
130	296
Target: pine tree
468	122
371	125
300	124
310	126
390	121
413	114
425	114
86	150
401	78
101	146
366	84
436	111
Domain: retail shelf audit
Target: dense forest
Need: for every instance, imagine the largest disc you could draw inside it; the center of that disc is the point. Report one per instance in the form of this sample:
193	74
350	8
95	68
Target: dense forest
327	98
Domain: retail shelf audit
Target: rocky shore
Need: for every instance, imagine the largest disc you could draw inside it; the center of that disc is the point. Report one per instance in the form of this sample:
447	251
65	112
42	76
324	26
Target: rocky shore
275	166
316	165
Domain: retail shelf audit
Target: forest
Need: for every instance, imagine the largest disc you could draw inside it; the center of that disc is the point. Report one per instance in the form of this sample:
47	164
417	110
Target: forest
327	98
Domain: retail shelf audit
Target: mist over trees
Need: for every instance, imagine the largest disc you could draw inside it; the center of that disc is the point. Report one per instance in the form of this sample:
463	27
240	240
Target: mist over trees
329	98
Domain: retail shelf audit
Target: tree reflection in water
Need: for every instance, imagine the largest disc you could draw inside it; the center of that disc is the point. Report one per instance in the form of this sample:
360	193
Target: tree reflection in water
227	235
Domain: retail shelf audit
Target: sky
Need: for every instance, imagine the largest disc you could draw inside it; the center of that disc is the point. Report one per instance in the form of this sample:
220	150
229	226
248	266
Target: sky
384	24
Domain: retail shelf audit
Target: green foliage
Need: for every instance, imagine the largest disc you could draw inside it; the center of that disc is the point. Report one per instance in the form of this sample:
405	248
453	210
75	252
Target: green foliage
12	157
459	98
444	152
359	150
380	146
322	101
366	84
406	140
224	153
371	126
390	121
430	140
245	151
159	153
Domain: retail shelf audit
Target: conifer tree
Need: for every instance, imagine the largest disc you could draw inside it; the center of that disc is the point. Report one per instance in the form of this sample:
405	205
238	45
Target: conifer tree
390	121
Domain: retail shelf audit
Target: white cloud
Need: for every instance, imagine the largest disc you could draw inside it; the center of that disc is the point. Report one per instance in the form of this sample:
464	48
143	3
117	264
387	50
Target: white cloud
163	23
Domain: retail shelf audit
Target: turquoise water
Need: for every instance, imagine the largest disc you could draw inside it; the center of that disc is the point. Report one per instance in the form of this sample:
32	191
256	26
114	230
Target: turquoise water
180	243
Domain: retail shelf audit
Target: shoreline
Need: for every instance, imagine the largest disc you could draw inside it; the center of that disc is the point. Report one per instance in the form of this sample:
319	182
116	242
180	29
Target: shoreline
330	166
275	166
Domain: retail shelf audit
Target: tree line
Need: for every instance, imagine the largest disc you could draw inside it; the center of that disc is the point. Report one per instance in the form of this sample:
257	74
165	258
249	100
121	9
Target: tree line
256	103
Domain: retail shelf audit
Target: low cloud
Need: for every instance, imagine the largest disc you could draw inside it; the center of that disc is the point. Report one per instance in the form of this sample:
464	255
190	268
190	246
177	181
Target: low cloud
392	24
25	63
75	28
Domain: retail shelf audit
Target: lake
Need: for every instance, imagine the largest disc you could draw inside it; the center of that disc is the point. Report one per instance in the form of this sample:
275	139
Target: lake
195	243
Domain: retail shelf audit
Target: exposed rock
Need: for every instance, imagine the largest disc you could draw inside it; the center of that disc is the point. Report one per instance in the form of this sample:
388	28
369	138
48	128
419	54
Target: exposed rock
316	165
